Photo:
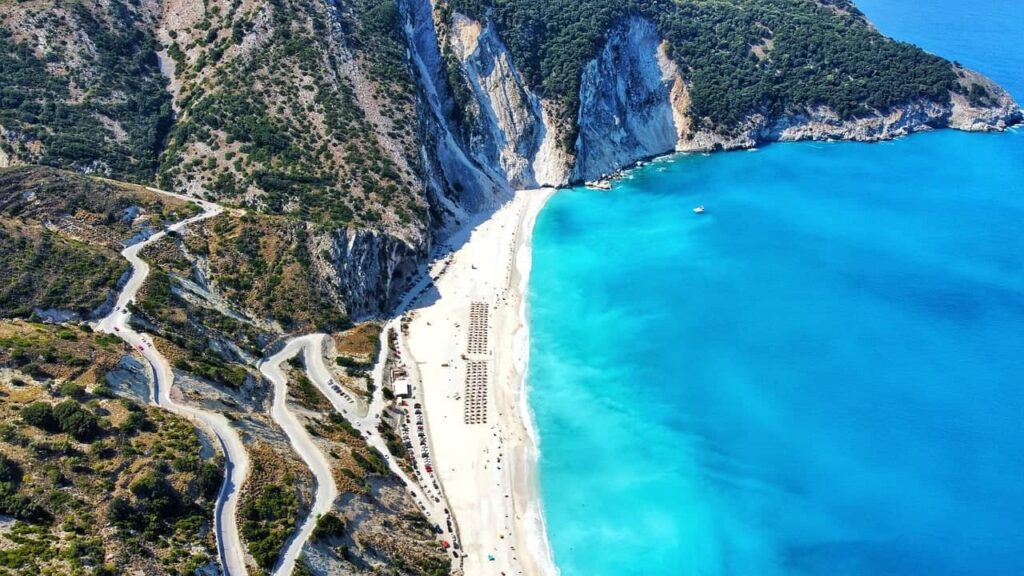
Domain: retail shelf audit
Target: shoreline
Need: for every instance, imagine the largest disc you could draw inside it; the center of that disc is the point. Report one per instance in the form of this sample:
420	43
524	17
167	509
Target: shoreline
486	464
533	517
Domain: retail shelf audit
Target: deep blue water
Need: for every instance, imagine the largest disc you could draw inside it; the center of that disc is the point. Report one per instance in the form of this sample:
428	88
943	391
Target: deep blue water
824	375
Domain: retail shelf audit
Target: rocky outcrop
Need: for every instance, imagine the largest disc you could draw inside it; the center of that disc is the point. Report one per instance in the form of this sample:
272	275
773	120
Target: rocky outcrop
476	151
994	108
509	130
389	132
456	184
368	269
997	112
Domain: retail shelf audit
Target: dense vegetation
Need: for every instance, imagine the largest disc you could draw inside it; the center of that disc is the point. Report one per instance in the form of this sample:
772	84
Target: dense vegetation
282	128
46	271
110	112
269	509
271	112
49	352
264	264
96	484
741	56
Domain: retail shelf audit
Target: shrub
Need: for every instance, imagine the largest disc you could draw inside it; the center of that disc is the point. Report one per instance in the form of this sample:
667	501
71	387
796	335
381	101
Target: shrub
103	391
40	415
72	390
76	420
329	526
120	512
155	496
10	471
136	421
209	480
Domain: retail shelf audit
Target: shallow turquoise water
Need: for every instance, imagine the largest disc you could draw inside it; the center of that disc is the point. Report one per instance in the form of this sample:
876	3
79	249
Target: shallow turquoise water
823	375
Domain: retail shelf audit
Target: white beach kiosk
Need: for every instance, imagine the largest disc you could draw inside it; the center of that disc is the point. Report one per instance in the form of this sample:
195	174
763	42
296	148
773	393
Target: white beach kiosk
402	388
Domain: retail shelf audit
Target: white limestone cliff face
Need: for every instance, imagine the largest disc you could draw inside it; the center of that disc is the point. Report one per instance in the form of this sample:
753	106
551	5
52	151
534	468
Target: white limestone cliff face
821	123
626	102
368	268
457	184
999	112
635	104
509	129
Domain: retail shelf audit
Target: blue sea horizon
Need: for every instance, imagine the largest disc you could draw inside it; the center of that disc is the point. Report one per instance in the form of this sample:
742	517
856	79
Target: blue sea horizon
822	375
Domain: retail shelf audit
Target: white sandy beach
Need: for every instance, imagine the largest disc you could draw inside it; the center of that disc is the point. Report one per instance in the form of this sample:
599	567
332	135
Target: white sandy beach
486	470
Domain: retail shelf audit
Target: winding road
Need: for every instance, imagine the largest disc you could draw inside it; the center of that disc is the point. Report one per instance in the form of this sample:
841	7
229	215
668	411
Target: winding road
236	459
302	442
311	345
230	549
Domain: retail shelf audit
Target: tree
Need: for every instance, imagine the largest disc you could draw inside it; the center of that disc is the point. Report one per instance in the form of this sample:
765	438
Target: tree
76	420
328	526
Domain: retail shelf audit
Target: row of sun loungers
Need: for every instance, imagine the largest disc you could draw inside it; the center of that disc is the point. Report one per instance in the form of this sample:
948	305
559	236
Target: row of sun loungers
475	398
478	328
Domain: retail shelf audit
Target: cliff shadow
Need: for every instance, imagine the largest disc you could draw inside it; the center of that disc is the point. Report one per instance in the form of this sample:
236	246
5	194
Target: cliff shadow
422	291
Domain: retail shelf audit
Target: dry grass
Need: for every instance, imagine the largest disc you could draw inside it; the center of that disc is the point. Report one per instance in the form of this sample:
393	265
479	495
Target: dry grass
361	342
62	353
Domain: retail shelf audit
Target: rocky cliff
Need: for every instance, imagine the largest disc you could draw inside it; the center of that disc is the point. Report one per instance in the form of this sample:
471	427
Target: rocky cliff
378	125
627	105
634	103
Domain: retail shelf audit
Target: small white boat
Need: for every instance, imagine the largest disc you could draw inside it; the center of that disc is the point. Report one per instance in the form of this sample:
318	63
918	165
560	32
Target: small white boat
699	209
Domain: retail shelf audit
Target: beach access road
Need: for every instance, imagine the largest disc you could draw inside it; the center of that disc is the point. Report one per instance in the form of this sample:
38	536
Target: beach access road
311	346
230	550
304	446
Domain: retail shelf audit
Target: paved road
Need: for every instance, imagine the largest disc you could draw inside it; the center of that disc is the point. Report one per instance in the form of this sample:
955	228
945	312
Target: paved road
229	544
311	345
321	378
326	489
236	459
433	501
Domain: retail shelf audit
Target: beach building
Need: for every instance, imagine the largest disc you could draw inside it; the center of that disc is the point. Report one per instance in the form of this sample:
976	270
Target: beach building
394	375
401	388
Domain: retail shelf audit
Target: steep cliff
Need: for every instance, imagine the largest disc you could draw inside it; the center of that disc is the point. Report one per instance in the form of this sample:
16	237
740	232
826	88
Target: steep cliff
626	105
508	129
375	126
609	87
457	184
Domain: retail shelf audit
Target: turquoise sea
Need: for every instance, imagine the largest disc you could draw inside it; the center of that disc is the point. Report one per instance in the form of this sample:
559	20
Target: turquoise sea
823	375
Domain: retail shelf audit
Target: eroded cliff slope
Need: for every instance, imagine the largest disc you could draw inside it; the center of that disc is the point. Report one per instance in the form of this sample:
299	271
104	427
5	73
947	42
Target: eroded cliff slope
374	126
